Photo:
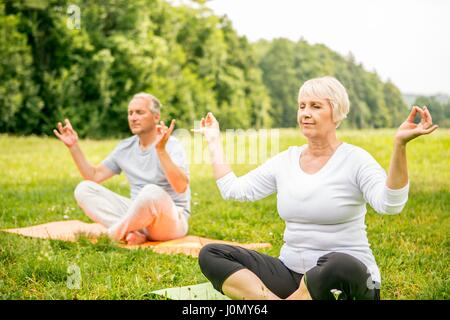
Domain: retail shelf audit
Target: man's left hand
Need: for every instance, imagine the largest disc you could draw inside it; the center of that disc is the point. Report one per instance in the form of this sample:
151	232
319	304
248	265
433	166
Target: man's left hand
162	135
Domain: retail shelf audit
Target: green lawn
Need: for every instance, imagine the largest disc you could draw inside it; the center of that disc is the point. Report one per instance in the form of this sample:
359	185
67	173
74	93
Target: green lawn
37	178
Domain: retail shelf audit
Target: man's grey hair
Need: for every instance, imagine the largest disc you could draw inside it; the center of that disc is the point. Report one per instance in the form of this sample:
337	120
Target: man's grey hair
152	102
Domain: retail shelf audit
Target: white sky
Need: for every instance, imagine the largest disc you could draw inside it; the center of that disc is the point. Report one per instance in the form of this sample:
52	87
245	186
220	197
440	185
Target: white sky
407	41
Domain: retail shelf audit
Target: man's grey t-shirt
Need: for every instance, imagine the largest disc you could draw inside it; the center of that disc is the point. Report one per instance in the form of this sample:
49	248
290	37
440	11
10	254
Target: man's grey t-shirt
143	167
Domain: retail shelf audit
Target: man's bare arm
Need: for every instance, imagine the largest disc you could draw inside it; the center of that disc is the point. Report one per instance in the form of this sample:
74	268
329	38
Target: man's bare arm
89	172
174	174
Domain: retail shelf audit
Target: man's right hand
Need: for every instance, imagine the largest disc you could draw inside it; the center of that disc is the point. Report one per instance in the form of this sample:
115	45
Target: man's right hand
66	134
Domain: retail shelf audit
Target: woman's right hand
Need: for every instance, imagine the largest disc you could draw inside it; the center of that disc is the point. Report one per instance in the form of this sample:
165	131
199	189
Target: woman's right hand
209	127
66	134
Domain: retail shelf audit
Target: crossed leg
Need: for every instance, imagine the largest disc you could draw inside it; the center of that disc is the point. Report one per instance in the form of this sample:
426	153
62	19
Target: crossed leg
151	216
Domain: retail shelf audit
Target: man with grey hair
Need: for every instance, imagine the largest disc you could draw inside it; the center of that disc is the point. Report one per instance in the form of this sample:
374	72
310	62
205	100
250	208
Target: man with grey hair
156	167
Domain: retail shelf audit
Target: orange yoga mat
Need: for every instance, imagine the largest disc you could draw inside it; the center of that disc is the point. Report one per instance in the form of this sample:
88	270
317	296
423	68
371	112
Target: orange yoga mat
71	229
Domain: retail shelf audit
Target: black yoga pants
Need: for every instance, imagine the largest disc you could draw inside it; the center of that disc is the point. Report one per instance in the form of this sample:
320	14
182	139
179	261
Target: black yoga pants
336	276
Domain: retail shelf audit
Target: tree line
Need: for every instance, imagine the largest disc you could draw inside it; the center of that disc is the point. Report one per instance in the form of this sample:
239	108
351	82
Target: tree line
191	59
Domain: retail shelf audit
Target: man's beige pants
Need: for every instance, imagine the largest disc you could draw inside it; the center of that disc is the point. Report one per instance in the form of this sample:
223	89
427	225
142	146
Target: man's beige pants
152	212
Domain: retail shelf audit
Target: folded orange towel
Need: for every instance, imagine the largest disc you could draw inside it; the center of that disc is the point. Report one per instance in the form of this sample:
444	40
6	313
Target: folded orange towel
71	229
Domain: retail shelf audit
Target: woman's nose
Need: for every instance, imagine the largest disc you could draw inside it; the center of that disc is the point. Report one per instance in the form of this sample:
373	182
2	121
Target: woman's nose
306	114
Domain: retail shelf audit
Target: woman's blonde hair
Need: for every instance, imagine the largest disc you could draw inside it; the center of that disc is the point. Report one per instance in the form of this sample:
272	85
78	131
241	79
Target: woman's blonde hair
328	88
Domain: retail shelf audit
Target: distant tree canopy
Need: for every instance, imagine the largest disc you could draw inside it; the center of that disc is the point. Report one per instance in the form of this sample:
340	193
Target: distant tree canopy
286	65
191	59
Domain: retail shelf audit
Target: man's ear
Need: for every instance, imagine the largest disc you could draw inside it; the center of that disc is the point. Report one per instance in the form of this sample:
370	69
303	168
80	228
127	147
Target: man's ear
157	117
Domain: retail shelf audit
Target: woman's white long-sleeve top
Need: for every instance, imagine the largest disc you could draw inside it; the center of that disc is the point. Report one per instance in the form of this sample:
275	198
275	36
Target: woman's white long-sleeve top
324	211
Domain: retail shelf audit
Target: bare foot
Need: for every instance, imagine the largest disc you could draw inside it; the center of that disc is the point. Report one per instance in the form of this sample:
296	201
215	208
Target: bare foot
135	237
301	293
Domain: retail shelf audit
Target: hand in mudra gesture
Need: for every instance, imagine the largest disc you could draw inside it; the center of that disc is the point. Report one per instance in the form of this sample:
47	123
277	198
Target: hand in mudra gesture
209	127
66	134
163	133
409	130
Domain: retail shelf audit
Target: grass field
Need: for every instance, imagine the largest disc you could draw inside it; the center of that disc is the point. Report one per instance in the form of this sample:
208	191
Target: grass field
37	178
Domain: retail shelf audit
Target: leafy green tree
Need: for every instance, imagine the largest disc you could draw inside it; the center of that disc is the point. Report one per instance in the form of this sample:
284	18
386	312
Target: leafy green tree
287	64
20	103
191	59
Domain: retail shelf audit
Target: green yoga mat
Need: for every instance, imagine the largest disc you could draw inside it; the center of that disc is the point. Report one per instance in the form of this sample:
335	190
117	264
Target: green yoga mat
202	291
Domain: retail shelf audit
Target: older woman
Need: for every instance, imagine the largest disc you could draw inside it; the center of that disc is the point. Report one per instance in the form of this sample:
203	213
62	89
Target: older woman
322	189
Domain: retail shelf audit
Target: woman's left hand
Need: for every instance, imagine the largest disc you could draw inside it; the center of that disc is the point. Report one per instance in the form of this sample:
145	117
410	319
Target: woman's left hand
409	130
